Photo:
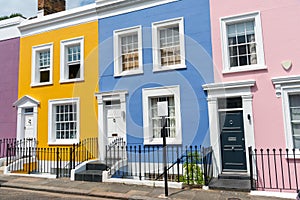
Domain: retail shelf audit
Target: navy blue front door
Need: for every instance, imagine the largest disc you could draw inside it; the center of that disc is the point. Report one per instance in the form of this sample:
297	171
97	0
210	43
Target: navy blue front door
232	140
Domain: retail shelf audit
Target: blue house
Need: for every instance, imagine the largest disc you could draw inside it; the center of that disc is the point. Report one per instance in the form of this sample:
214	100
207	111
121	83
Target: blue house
153	51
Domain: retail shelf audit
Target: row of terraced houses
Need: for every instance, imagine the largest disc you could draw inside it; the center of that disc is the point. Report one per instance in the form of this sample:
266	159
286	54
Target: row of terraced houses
229	72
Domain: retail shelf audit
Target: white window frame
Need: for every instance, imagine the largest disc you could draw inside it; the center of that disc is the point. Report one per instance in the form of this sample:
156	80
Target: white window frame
64	44
51	130
156	26
284	87
35	72
258	38
149	93
118	55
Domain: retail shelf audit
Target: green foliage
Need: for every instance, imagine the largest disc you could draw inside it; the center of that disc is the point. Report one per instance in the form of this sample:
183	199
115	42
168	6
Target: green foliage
11	16
16	15
192	171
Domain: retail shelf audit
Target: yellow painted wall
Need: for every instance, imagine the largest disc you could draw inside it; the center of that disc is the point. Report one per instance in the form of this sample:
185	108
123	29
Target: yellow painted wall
85	90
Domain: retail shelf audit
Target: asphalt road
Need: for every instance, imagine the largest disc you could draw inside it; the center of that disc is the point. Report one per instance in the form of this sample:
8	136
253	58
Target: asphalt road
16	194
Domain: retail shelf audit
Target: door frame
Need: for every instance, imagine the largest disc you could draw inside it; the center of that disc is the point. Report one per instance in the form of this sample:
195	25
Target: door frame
102	98
21	105
226	90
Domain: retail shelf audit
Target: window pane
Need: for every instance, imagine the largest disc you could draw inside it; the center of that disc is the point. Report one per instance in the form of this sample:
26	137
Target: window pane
74	71
65	124
241	37
129	52
169	46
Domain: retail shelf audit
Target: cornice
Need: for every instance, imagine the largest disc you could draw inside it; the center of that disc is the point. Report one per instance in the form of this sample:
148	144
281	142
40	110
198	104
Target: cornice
59	20
229	85
108	8
11	22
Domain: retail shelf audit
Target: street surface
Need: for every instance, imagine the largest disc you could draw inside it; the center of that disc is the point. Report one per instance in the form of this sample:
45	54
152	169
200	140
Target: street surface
16	194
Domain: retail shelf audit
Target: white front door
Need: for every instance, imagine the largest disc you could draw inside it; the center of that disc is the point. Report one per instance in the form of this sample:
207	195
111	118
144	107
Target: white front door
28	127
115	122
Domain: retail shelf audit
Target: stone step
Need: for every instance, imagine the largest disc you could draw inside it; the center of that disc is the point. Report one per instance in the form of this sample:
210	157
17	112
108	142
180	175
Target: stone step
242	185
234	176
89	175
96	165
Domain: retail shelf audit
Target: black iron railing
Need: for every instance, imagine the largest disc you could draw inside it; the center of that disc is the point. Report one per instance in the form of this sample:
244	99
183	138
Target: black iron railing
191	165
58	161
272	169
3	145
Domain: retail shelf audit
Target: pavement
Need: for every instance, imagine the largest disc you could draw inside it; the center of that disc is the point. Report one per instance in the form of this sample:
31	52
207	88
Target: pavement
120	191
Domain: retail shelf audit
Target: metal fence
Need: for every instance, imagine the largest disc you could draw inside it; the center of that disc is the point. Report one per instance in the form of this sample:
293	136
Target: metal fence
272	169
191	165
3	145
28	158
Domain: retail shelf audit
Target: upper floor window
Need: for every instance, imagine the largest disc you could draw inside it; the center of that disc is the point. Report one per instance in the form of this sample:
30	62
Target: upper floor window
42	65
242	43
168	45
72	60
128	51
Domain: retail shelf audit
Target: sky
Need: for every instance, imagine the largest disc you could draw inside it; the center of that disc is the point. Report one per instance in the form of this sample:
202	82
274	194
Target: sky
28	8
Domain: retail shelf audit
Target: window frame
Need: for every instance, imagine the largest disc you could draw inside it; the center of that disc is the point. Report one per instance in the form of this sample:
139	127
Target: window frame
156	26
51	129
147	94
117	34
224	21
35	71
64	44
286	92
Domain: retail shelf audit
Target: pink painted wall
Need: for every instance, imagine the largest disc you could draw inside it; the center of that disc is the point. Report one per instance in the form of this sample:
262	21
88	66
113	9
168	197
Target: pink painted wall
280	26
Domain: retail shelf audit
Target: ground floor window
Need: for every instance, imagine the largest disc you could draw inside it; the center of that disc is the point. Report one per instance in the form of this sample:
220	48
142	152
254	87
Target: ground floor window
64	121
153	123
294	105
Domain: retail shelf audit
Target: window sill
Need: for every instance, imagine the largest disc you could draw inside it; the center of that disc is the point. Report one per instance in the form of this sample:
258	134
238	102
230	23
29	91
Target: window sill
159	141
64	142
40	84
129	73
168	68
244	69
71	80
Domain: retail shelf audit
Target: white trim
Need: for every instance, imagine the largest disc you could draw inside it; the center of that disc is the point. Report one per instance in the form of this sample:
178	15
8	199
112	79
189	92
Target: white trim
147	93
80	15
225	90
109	8
63	58
117	51
224	21
101	99
9	28
284	195
21	104
34	59
51	133
156	26
283	82
284	86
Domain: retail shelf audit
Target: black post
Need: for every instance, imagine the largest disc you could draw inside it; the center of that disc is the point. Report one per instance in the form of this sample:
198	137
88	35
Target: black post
7	147
251	168
165	155
57	164
140	162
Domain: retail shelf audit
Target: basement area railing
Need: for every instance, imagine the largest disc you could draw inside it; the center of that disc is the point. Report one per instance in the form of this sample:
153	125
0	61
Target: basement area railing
275	169
3	145
191	165
58	161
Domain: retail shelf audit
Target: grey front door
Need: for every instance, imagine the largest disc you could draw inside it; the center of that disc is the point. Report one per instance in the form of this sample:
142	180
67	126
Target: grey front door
232	140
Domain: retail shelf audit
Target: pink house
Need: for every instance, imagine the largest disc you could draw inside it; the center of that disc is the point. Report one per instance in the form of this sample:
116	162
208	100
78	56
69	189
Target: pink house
255	100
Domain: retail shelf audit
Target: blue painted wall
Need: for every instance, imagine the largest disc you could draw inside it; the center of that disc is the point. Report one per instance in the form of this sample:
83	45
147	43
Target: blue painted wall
199	71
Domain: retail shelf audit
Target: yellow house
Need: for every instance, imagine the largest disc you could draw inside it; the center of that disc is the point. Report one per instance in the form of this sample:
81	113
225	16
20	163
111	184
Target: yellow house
58	77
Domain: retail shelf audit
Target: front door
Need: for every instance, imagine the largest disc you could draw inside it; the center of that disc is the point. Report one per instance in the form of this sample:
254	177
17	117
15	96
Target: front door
28	124
232	140
115	122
